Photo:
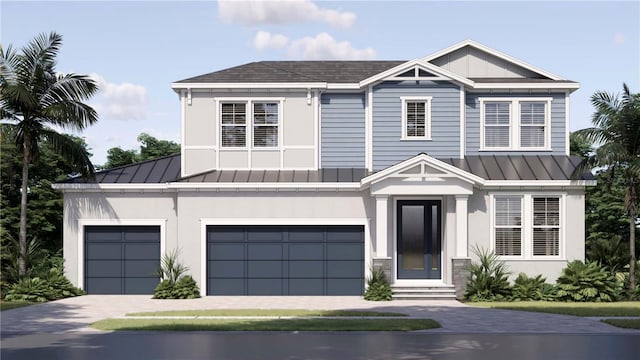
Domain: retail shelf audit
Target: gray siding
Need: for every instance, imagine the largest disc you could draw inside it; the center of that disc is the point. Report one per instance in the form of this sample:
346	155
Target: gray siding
388	148
557	124
342	131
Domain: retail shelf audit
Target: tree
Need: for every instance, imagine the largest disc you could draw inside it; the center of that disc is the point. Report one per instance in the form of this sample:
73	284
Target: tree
150	148
33	100
616	128
579	145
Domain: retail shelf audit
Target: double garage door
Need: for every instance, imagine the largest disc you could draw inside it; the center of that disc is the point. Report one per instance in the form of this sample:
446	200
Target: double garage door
121	259
285	260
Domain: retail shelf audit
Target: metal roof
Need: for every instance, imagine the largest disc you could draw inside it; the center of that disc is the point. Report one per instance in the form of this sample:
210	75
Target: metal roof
296	71
489	167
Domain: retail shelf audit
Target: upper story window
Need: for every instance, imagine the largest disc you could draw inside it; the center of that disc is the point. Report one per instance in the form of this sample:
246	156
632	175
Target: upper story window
515	124
262	131
526	226
416	118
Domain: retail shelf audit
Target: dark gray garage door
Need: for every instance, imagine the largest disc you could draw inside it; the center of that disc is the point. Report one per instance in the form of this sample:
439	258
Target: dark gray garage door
121	259
285	260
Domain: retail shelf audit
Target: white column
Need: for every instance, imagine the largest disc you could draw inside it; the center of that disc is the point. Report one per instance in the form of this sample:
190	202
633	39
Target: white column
382	219
462	242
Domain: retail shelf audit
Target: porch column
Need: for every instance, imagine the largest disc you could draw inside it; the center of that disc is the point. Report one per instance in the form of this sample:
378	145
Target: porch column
382	219
462	241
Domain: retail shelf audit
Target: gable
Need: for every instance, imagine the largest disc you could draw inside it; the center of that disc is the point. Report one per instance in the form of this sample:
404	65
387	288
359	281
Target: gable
471	62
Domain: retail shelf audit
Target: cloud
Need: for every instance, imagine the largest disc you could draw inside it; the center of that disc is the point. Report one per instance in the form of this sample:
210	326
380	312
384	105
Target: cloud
123	101
265	40
324	47
254	12
619	38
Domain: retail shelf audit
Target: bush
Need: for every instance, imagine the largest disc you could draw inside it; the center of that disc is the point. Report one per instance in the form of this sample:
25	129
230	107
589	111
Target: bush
170	269
587	282
488	280
55	286
163	290
378	288
186	288
174	284
532	288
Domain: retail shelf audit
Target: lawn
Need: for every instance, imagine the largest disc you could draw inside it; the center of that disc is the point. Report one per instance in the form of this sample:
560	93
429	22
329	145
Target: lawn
621	308
266	325
624	323
267	312
8	305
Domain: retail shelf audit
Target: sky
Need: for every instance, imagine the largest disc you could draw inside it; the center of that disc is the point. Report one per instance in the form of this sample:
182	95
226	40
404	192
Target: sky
135	50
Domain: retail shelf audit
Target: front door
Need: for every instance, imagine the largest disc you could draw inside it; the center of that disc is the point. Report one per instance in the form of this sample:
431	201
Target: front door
419	239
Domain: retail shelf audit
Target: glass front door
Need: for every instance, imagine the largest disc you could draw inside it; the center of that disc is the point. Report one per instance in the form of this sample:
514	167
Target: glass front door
419	236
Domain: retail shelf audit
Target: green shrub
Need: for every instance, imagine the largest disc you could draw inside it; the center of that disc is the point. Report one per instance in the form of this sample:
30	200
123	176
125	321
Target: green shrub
170	269
378	288
488	280
163	290
186	288
587	282
59	286
532	288
174	283
28	289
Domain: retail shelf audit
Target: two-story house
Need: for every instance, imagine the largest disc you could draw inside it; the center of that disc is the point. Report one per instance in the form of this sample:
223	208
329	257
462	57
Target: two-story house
299	177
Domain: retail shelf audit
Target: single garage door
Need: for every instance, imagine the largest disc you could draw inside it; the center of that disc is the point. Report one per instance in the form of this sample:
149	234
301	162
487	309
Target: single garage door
285	260
121	259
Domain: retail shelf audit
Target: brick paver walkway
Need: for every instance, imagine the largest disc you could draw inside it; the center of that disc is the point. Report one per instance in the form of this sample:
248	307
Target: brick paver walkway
74	314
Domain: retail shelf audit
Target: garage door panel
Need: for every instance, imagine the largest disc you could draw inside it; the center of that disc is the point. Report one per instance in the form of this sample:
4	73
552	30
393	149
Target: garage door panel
223	234
345	269
264	251
226	269
344	286
140	268
265	234
306	251
306	286
104	268
141	251
306	269
226	251
345	234
103	236
344	251
303	234
226	286
104	251
271	286
142	235
140	286
105	286
264	269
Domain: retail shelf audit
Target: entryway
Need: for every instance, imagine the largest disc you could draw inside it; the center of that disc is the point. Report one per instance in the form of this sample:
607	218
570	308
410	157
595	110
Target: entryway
419	239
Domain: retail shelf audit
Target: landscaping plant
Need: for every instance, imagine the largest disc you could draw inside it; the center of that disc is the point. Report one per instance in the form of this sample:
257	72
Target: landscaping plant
488	280
587	282
532	289
174	284
378	288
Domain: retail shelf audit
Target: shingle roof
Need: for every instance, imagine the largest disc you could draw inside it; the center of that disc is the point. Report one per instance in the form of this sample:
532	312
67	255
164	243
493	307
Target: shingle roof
490	167
297	71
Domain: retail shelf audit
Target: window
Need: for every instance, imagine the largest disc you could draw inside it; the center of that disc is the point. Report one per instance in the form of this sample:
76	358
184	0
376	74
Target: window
261	131
515	124
265	124
234	124
546	226
416	118
526	226
508	225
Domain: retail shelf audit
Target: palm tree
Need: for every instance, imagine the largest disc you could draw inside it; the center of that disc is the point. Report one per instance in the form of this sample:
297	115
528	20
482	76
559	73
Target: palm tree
616	128
33	100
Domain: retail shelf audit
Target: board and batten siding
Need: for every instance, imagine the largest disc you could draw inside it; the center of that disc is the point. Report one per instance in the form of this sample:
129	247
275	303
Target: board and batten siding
388	148
558	120
342	131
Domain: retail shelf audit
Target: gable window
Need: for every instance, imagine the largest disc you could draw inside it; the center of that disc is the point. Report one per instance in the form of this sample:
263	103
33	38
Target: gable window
508	225
416	118
515	124
526	226
234	124
265	124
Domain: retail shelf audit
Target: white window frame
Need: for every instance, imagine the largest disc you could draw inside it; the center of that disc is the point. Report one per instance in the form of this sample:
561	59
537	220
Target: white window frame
427	119
527	225
254	125
515	124
249	121
560	225
246	124
494	226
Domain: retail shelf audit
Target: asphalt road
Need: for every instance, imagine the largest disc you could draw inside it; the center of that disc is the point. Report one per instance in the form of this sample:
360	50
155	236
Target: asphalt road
401	346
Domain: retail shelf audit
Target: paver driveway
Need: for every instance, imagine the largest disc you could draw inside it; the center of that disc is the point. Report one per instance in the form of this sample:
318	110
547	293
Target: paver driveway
74	314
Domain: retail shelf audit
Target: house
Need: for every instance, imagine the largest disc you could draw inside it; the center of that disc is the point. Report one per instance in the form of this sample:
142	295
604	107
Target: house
299	177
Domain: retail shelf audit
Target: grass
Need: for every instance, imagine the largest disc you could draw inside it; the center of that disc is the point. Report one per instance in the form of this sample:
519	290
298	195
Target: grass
266	312
8	305
265	325
622	308
624	323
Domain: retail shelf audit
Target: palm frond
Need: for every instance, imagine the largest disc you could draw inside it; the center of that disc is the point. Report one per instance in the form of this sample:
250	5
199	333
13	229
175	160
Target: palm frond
70	150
